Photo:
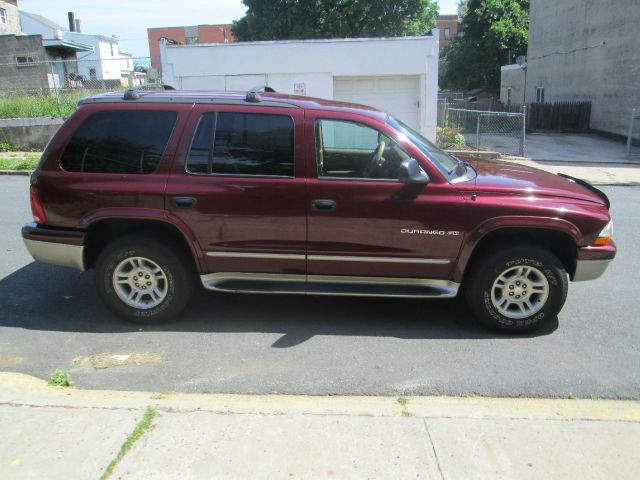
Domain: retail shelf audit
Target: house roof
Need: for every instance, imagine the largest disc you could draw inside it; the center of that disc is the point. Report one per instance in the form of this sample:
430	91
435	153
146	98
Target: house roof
43	20
65	44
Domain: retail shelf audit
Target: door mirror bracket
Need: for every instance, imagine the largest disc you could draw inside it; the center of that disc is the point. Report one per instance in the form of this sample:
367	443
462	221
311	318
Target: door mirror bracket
412	173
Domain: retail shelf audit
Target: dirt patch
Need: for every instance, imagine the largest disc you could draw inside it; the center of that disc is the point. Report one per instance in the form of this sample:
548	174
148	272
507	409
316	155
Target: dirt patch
8	359
109	360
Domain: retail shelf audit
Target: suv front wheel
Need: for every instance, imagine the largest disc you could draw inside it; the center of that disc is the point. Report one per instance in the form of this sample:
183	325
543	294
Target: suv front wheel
518	289
142	280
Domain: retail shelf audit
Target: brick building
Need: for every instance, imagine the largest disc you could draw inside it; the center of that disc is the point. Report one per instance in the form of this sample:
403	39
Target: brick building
449	26
187	36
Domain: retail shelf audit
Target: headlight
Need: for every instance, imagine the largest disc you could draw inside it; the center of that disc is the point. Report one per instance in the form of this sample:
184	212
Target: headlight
605	235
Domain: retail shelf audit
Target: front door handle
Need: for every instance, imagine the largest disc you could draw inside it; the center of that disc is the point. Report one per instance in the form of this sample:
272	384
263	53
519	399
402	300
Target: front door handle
323	205
184	202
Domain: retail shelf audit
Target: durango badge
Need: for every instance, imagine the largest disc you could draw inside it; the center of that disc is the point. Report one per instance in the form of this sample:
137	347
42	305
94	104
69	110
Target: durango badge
417	231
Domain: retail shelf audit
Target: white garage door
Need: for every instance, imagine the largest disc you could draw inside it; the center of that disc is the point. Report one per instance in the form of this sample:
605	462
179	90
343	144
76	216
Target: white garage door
399	96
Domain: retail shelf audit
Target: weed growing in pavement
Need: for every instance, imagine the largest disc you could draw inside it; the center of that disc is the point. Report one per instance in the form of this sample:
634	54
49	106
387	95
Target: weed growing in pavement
141	427
60	378
403	401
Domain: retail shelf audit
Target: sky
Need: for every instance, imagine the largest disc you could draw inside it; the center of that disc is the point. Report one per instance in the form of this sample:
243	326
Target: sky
129	19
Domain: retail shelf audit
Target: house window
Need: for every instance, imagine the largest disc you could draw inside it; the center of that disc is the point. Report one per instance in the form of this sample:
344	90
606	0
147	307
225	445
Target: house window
92	74
509	96
540	94
447	33
26	60
111	46
3	16
191	40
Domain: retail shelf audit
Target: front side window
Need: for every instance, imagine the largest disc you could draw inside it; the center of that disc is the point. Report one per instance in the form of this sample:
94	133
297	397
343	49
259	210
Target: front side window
232	143
347	149
119	142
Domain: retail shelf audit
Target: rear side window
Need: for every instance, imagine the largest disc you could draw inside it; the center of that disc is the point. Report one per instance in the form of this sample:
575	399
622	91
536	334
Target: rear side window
231	143
119	142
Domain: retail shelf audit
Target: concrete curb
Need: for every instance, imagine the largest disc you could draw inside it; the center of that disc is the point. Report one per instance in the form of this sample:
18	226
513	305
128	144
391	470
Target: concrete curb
24	173
23	390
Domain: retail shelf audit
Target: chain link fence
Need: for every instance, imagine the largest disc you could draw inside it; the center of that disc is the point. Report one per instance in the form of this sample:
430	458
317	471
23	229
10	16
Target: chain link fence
633	137
36	85
502	132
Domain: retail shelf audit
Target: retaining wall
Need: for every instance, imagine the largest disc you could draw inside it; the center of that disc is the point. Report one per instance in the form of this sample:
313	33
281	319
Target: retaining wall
29	133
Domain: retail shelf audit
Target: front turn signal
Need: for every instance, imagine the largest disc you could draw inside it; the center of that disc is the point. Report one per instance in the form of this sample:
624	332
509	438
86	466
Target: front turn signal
604	237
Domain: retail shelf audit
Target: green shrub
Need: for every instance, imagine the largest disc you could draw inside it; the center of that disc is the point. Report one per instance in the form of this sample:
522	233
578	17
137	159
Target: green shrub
452	136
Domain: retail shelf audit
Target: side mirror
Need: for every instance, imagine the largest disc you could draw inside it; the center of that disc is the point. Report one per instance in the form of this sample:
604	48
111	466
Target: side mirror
412	173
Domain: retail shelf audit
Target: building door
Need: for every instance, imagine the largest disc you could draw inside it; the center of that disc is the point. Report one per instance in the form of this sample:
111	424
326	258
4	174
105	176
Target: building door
399	95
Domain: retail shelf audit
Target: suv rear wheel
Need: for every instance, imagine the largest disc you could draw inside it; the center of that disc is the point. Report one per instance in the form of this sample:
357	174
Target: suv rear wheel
142	280
518	289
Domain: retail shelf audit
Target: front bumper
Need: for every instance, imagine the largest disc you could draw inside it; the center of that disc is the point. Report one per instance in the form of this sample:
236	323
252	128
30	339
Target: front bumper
55	246
592	261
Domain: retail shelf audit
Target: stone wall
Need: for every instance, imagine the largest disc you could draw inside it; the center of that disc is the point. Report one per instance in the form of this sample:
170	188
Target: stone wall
29	133
25	77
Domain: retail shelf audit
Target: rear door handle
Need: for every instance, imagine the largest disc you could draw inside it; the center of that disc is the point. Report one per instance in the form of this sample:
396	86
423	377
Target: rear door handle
323	205
184	202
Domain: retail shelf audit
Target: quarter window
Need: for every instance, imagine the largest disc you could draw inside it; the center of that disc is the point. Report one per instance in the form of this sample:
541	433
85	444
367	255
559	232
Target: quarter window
231	143
351	150
119	142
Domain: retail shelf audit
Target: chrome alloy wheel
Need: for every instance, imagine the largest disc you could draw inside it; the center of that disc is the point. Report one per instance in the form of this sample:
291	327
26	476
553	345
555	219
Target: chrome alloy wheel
140	283
520	292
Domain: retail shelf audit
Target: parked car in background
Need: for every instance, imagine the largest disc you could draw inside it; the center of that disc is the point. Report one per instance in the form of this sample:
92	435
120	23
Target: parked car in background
266	193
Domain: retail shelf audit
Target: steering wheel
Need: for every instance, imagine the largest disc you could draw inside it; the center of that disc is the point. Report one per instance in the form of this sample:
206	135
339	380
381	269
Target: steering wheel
377	160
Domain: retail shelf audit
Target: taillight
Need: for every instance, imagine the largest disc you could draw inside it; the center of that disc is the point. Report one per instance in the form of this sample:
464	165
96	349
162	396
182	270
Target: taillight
36	206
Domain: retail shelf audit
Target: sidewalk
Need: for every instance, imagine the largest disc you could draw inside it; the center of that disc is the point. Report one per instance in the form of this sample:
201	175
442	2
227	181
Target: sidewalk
52	433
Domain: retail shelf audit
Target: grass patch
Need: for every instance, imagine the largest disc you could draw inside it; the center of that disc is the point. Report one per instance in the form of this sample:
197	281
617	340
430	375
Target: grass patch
23	163
403	401
60	378
42	104
141	427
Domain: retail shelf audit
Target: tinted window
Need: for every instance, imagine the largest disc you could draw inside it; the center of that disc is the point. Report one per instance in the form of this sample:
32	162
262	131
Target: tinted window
119	142
243	144
352	150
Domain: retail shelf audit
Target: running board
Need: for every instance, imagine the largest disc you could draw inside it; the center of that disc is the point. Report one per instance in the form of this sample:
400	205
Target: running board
237	282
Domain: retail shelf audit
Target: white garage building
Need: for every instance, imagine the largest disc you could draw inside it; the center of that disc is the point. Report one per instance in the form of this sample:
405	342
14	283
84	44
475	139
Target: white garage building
398	75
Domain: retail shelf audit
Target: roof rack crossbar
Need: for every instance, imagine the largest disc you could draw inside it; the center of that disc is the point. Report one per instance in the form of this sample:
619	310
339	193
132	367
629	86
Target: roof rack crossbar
253	95
133	92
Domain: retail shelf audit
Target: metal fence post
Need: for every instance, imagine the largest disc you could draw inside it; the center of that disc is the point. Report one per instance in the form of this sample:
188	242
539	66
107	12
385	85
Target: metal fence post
524	130
630	134
478	132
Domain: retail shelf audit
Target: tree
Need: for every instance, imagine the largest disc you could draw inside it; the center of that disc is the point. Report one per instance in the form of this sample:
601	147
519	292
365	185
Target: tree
301	19
495	32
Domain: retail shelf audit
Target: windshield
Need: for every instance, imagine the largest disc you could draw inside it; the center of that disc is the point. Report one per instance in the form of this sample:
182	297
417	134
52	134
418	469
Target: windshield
447	163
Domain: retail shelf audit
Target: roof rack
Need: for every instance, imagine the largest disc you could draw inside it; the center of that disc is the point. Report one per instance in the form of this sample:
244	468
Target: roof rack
253	95
133	93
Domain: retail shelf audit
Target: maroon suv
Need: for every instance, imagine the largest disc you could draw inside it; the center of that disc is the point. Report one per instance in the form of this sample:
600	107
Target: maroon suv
268	193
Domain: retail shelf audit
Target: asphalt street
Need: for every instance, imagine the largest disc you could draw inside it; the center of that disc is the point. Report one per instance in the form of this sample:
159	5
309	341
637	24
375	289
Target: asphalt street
51	318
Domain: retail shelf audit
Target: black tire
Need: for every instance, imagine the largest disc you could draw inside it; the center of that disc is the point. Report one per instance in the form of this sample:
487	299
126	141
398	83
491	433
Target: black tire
176	267
480	286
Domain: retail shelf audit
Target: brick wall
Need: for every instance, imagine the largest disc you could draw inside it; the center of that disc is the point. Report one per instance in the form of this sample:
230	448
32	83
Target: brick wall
204	33
447	21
